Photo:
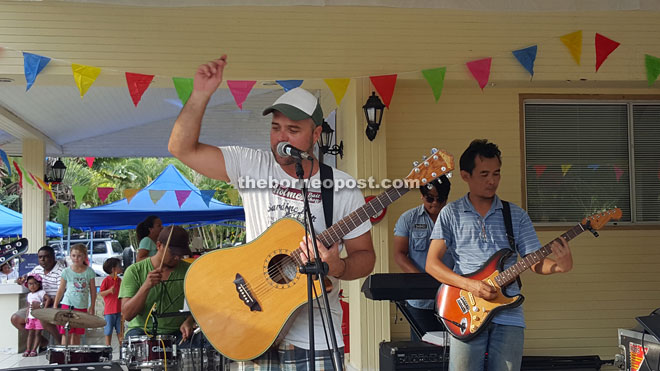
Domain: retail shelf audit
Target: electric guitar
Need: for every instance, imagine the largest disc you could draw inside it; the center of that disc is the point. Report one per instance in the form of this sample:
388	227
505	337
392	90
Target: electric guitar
13	249
465	315
242	297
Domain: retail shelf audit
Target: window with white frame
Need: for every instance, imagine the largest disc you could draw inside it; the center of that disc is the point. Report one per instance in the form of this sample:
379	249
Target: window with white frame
583	157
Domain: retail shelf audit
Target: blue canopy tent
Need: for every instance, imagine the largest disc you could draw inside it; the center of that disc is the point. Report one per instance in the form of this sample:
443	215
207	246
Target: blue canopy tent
124	215
11	224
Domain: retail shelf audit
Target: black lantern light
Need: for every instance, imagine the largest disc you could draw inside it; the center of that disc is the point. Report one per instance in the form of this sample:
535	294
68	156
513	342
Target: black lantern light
373	111
55	173
325	142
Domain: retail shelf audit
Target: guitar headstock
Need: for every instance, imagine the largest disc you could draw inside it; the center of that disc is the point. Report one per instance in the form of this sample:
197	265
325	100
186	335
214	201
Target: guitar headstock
597	221
13	249
437	164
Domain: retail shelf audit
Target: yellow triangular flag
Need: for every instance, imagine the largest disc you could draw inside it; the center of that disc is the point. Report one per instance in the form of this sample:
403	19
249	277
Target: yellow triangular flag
84	76
338	88
564	169
129	194
573	42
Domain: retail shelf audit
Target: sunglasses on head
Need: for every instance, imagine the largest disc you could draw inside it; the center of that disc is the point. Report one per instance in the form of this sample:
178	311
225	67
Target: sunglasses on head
430	199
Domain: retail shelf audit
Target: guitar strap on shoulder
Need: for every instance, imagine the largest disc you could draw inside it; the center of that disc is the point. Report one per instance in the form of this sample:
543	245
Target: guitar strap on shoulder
506	211
327	193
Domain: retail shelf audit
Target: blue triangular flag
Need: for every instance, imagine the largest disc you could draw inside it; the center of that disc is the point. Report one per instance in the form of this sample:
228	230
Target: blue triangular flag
593	167
3	154
289	84
207	195
526	57
33	64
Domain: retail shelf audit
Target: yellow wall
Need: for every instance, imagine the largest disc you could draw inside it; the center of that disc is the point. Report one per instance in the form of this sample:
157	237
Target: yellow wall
577	313
615	275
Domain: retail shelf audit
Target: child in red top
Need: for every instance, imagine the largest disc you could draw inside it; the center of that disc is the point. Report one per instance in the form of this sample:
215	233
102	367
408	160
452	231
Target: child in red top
109	291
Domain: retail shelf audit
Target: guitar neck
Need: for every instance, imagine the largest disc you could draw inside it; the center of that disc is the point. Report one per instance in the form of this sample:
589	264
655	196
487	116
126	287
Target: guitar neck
353	220
509	275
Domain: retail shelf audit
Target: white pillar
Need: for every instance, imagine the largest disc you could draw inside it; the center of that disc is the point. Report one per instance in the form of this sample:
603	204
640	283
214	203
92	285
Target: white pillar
35	202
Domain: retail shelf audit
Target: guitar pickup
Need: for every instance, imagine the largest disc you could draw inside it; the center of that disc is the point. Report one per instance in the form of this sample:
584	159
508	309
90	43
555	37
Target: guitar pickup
245	294
463	304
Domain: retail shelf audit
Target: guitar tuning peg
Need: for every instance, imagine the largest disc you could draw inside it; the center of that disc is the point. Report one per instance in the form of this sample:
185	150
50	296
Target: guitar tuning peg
434	174
415	163
448	175
423	158
434	150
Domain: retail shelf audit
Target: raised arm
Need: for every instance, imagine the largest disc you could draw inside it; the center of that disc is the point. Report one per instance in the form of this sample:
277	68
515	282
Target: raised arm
184	140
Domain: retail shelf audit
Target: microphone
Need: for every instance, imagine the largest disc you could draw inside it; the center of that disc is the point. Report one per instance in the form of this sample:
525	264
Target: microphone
285	149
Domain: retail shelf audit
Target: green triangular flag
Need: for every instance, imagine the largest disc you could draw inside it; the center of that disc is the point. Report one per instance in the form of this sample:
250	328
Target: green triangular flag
184	87
436	78
79	192
652	68
156	195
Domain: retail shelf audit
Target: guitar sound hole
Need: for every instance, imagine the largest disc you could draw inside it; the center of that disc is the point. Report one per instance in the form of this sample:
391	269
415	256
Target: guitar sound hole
282	269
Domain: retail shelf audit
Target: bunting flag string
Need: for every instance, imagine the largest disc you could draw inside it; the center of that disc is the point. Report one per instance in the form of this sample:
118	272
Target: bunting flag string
156	195
90	161
85	76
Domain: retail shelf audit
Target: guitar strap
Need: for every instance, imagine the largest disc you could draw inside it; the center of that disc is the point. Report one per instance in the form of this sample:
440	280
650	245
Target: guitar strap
327	193
506	211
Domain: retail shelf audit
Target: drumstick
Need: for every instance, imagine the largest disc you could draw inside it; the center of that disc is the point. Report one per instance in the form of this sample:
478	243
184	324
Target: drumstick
167	244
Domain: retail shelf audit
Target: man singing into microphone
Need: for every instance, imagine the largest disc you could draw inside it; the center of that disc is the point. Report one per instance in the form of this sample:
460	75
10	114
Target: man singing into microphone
296	120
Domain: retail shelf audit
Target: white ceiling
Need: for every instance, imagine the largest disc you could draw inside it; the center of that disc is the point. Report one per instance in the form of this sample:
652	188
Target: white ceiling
107	124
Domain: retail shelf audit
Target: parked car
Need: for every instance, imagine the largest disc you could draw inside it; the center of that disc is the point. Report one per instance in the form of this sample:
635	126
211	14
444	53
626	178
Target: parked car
102	249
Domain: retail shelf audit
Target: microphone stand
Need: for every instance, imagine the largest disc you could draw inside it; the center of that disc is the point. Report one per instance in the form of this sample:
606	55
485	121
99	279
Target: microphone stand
320	269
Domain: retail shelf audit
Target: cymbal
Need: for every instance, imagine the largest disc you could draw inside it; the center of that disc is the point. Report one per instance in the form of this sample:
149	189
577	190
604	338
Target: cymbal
62	316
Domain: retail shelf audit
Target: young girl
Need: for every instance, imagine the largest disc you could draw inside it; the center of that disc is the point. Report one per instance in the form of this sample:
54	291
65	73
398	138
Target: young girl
76	285
109	292
33	325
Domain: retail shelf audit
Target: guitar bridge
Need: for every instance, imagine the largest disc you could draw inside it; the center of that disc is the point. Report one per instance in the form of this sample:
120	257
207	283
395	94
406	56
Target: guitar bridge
245	294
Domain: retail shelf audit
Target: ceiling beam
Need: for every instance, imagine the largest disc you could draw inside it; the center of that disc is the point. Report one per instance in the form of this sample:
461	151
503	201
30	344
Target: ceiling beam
20	129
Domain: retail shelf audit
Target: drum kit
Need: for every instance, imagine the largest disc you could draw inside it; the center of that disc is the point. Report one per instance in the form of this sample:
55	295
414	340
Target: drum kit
160	352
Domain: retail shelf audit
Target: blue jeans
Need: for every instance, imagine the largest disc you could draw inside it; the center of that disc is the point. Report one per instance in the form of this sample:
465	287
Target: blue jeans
112	321
504	345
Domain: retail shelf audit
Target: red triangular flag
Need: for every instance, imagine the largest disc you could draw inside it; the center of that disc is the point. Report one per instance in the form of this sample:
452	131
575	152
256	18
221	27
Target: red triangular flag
540	169
604	47
181	196
384	85
103	192
20	174
240	91
480	70
90	161
35	181
137	84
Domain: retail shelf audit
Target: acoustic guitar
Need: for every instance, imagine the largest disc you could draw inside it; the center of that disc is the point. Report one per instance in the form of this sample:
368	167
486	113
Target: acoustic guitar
465	315
242	297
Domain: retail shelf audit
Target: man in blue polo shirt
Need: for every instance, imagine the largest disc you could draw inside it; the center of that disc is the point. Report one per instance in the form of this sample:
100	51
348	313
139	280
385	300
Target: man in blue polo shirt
472	229
412	236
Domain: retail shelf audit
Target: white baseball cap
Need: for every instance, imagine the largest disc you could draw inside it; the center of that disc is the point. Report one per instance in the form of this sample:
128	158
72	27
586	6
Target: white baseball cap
298	104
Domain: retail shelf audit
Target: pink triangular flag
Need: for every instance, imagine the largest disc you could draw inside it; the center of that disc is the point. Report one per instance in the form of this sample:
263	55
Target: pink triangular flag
240	90
103	192
384	85
618	171
540	169
480	70
604	47
90	161
182	196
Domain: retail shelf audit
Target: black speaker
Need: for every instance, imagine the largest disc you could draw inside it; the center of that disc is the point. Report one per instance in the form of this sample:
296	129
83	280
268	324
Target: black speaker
412	355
